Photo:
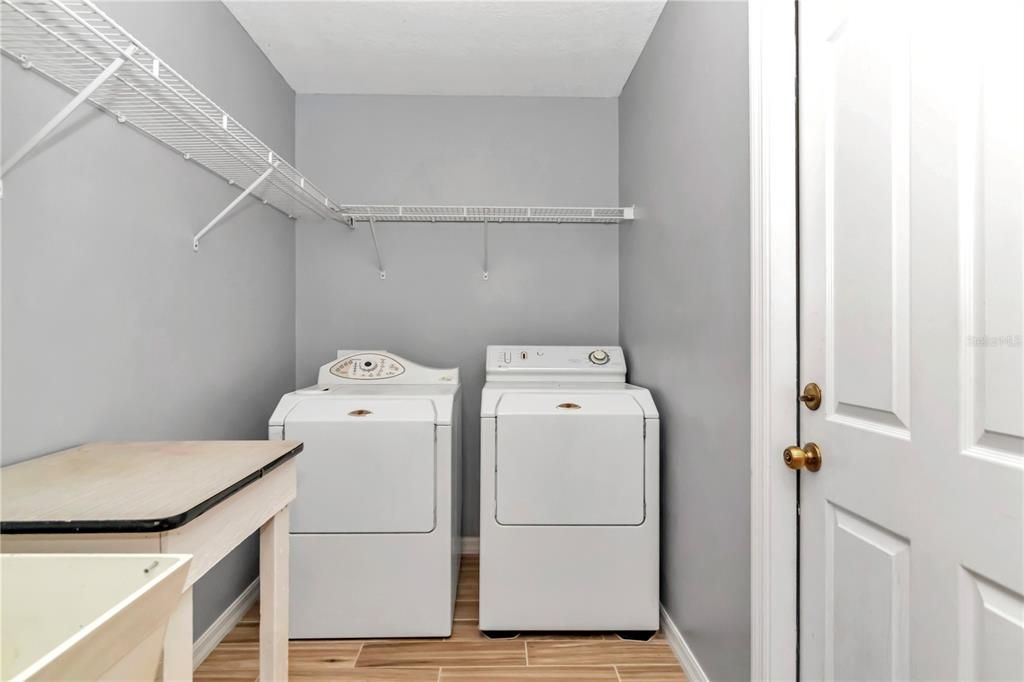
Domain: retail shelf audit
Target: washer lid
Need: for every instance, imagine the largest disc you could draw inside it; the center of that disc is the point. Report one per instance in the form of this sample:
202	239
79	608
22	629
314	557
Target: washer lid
359	409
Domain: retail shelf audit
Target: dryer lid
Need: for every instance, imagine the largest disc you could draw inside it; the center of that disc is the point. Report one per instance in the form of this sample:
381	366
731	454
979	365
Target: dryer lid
569	403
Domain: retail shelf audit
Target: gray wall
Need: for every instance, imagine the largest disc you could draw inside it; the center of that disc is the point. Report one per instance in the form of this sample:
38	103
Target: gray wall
684	286
113	327
548	284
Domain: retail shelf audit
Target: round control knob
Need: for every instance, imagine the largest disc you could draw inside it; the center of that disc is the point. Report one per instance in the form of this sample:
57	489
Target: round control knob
599	357
367	365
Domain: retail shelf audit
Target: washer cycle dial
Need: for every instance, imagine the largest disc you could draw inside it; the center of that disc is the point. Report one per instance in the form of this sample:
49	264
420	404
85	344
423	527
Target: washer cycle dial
367	367
599	357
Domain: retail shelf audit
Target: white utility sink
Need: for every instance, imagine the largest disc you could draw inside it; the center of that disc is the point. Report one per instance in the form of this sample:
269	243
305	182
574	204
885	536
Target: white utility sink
86	616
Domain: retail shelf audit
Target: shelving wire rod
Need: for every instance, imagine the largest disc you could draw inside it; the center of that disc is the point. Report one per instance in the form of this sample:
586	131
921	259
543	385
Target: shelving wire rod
478	214
486	273
68	109
237	200
380	262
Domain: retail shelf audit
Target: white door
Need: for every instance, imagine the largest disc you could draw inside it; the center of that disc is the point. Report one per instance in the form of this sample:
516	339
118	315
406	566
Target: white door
911	308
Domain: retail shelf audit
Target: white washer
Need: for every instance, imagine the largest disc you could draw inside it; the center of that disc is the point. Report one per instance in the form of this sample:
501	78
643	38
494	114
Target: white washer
568	492
375	528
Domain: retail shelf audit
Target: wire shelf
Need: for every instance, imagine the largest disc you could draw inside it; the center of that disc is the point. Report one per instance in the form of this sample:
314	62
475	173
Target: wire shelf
74	43
486	214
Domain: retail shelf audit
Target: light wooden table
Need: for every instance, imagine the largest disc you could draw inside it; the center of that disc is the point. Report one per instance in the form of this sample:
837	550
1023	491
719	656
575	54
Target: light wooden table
191	497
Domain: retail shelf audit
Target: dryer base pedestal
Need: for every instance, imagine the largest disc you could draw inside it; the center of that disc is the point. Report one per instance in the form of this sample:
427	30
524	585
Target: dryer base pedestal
569	578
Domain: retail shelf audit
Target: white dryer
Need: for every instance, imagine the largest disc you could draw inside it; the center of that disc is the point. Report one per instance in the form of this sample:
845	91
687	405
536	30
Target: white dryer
568	493
375	527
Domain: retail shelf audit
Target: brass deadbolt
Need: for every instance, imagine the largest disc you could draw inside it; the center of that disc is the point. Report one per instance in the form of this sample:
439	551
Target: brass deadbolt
811	396
808	457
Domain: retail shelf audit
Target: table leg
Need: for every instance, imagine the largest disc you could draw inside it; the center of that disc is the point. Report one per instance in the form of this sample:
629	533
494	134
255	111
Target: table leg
177	660
274	598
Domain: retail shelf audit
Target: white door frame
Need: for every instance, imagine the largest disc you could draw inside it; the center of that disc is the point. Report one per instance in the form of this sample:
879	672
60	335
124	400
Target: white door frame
773	342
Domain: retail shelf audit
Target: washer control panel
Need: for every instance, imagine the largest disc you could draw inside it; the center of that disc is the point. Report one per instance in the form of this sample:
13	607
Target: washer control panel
367	367
380	366
556	363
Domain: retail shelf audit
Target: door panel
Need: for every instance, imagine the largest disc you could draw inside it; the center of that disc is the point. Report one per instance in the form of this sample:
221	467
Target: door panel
911	308
867	194
870	572
992	240
991	619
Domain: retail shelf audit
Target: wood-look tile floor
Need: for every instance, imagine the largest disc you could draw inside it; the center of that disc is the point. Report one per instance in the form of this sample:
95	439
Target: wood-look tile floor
466	656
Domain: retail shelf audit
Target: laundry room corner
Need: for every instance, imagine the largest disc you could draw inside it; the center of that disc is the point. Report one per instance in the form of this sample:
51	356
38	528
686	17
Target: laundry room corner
684	163
558	283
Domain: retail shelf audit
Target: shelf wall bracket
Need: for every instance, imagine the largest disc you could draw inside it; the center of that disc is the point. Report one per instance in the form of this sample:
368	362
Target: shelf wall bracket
230	207
376	248
68	109
486	231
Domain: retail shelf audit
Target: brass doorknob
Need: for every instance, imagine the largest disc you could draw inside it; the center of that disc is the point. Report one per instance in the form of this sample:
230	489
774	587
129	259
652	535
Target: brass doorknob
808	457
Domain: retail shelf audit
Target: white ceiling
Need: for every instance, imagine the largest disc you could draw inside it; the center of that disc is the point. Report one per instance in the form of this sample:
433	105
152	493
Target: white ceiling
581	48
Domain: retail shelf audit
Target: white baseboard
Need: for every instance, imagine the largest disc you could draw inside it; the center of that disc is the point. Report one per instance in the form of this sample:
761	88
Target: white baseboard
470	545
224	624
694	673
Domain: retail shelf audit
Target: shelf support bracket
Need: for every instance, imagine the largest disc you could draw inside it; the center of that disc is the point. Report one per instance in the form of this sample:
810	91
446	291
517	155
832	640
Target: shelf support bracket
68	109
230	207
376	248
486	231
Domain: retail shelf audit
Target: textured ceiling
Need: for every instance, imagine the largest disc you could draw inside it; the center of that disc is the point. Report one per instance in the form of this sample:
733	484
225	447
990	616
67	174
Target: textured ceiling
583	48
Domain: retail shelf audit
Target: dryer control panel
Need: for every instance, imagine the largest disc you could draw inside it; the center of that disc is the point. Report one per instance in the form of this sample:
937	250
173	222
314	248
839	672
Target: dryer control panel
556	363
